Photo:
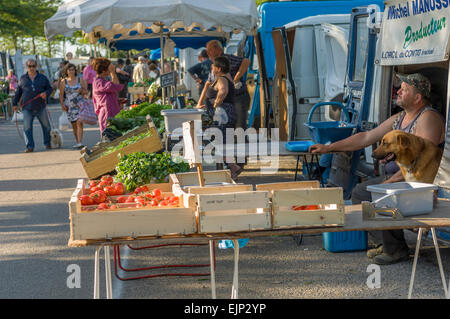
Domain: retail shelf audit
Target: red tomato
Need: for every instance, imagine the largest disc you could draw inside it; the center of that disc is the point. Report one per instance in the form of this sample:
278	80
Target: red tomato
102	206
163	203
156	192
144	188
139	205
158	197
94	189
137	190
140	199
122	199
113	206
108	179
130	199
92	184
86	200
109	190
99	196
119	188
154	203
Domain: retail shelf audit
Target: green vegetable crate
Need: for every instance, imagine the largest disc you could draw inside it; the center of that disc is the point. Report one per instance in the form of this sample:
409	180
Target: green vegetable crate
104	160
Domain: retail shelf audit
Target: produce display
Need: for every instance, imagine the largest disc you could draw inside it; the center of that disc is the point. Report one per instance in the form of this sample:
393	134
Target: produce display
106	194
128	141
126	118
144	83
140	168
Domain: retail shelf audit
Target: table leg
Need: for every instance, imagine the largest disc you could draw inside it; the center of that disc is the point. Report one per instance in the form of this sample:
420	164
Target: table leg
296	168
438	256
211	264
235	287
416	255
108	273
97	273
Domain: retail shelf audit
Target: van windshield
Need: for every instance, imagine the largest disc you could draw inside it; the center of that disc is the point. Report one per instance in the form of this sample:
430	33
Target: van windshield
360	59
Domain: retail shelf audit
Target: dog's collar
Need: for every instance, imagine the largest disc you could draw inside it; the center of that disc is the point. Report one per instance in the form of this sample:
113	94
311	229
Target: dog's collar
412	167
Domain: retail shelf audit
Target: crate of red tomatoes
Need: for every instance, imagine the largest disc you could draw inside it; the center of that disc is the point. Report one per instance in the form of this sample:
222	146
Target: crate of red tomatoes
105	209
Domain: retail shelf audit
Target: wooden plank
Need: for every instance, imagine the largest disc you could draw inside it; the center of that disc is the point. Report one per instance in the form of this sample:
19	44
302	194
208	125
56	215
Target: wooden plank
332	195
133	223
219	189
233	222
288	185
191	178
289	218
232	201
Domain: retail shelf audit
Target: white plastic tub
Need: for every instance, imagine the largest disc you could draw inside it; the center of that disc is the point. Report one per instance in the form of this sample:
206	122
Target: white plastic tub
173	119
410	198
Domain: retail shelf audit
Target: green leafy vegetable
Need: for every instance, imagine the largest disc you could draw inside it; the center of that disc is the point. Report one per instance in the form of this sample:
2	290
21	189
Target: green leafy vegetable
140	168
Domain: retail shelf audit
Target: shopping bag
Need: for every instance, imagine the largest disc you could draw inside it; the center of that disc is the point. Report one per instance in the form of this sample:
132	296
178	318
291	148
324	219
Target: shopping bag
17	117
64	123
87	113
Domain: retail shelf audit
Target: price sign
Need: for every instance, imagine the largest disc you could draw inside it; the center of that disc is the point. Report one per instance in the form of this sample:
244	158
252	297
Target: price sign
168	79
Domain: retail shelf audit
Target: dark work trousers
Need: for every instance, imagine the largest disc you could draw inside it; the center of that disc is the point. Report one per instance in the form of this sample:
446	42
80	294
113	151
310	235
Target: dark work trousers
241	105
392	240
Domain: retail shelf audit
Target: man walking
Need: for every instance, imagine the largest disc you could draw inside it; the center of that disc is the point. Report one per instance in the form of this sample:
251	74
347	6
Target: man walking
34	88
200	71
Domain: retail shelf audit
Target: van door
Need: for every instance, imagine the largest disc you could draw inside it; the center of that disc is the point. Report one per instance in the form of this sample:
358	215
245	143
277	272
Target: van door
331	48
358	97
285	106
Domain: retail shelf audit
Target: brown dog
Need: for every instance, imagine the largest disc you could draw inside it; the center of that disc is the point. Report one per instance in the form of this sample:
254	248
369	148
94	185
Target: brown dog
417	157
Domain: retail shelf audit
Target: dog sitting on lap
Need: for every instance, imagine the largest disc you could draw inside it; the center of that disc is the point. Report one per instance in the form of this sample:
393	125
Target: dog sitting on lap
418	158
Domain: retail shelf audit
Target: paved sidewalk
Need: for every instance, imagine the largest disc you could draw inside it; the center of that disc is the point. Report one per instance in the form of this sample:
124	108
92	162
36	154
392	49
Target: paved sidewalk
34	230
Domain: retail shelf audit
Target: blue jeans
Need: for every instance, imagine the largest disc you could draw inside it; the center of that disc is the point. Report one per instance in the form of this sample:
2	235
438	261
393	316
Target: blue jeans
28	117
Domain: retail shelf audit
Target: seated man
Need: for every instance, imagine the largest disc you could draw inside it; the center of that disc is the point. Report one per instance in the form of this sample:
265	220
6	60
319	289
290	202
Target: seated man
418	118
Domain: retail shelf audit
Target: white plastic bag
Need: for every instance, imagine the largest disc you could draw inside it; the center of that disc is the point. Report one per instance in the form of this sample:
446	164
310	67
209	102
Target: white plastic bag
220	116
64	123
17	116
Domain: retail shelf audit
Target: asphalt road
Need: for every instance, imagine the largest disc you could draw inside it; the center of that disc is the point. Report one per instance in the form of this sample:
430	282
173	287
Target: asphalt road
36	263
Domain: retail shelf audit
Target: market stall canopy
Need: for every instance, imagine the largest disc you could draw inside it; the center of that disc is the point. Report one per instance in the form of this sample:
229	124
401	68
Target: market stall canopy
112	21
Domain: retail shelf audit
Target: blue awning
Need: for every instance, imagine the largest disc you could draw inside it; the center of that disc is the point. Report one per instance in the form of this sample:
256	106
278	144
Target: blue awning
154	43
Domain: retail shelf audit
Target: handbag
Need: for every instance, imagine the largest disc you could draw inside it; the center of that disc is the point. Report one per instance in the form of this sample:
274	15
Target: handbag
87	113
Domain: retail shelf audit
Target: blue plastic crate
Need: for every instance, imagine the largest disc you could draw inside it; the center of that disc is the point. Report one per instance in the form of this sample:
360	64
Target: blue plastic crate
345	241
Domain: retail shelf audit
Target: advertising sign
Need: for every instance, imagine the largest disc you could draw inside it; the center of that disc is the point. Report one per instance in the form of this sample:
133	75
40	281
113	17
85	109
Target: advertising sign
415	31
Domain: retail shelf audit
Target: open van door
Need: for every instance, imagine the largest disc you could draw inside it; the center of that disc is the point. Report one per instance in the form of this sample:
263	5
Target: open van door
357	98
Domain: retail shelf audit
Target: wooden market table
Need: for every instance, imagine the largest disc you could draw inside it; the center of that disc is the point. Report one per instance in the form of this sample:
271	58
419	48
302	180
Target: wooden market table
439	217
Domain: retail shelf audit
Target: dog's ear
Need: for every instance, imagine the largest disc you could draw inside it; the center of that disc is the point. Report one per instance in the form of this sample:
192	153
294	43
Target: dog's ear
403	140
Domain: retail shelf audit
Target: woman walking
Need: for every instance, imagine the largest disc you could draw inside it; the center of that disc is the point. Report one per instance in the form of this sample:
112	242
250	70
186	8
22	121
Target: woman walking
73	88
104	92
12	80
222	106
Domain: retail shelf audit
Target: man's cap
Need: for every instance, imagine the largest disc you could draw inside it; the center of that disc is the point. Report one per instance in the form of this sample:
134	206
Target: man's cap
419	81
203	54
141	58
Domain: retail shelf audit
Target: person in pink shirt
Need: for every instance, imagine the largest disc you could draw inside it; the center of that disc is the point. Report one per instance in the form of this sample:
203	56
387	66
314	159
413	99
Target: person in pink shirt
89	74
104	92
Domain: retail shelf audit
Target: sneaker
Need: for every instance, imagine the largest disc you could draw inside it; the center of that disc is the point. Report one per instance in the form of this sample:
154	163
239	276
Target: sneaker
28	150
48	147
371	253
78	146
387	259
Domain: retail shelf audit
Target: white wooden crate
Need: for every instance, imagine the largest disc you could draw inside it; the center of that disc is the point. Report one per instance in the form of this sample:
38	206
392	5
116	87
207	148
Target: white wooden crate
330	209
233	212
128	222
